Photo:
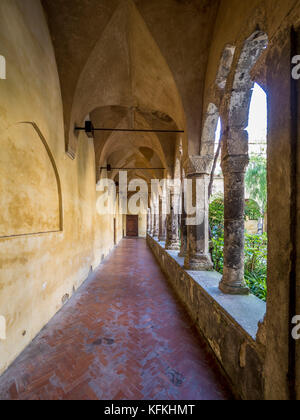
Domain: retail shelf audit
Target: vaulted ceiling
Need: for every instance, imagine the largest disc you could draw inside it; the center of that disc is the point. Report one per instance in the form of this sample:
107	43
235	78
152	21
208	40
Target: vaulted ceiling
133	64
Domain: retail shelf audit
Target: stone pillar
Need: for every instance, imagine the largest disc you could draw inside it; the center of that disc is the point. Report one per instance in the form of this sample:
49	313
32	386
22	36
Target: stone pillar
151	221
156	221
162	221
183	231
197	256
148	222
172	239
234	168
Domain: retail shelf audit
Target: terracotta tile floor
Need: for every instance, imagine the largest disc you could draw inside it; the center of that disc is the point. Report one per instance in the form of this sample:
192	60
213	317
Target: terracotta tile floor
123	335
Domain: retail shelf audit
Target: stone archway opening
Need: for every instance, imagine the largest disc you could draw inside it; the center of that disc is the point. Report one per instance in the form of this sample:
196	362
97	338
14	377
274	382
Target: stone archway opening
256	176
255	197
235	160
216	178
256	239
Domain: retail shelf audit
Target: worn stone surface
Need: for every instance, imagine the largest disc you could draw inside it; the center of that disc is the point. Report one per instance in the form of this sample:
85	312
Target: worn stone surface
276	20
173	240
156	225
162	221
183	231
197	255
219	320
281	272
148	221
234	168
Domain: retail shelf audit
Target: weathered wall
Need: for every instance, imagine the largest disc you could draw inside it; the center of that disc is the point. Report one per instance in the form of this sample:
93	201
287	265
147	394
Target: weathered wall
48	224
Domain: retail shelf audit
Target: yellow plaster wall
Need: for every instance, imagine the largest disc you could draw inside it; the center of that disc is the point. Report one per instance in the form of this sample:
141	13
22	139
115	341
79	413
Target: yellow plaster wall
41	188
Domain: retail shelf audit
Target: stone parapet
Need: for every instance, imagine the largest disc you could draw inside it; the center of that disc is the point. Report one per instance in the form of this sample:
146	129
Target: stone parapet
228	323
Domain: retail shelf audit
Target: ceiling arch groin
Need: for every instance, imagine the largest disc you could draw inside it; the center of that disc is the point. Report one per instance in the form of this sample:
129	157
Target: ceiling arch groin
126	53
144	150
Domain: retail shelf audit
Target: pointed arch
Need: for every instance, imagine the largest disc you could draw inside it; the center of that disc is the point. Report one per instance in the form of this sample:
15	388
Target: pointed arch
243	83
125	81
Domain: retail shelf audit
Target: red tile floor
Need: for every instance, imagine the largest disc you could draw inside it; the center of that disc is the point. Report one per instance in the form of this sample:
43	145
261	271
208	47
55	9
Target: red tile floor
123	336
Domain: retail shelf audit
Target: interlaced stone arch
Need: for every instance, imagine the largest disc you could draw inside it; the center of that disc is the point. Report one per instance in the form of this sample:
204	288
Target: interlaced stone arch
209	131
225	66
200	167
242	90
234	163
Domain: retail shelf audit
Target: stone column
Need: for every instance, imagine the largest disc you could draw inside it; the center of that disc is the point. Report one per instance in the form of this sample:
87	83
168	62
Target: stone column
197	256
172	239
151	221
162	220
183	231
156	221
148	221
234	168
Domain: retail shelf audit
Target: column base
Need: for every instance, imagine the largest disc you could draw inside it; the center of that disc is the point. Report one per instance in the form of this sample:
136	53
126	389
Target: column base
173	246
162	239
198	263
233	289
232	282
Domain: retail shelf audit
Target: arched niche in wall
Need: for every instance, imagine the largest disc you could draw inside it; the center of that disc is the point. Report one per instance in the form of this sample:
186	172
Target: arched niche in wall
30	189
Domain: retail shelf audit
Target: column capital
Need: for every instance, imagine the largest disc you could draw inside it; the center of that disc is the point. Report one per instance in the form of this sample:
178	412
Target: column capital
235	163
198	165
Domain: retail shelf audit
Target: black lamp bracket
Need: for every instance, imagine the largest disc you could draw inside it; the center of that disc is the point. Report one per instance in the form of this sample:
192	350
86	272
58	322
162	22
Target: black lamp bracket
89	129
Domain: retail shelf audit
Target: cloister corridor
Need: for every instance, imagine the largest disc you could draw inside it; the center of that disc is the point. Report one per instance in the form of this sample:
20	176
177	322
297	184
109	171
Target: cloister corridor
123	336
150	200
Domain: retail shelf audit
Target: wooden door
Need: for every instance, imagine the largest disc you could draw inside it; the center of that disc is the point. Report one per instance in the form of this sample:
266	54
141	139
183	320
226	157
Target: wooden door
132	226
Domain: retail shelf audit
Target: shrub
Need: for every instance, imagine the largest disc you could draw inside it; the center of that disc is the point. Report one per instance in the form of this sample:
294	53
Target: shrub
216	215
257	283
217	252
255	251
252	210
256	264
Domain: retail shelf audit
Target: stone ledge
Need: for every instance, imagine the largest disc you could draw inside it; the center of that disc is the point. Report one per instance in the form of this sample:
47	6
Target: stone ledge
246	311
228	323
